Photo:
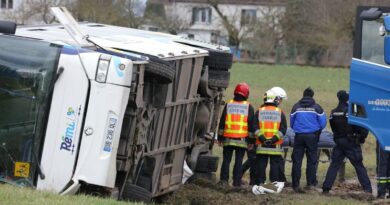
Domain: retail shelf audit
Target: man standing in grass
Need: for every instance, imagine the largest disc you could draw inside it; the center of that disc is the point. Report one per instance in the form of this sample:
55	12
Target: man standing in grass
307	119
236	129
272	126
348	139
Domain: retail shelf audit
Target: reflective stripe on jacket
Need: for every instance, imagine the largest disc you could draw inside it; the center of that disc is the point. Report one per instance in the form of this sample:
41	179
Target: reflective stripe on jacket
236	121
274	150
235	142
269	123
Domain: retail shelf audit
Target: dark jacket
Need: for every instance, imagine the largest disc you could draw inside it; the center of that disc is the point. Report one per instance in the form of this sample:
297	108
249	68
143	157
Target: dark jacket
283	122
307	116
338	120
251	120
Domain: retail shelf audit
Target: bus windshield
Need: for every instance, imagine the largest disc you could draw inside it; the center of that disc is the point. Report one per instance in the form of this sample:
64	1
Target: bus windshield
27	72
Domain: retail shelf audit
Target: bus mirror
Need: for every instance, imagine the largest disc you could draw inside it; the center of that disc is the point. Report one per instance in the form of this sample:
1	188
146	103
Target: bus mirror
387	23
371	14
387	50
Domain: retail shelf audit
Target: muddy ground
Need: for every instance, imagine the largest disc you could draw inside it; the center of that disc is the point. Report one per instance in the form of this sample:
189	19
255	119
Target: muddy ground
204	192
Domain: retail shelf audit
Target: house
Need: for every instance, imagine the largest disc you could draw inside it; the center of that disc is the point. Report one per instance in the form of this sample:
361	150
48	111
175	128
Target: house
205	24
29	11
7	6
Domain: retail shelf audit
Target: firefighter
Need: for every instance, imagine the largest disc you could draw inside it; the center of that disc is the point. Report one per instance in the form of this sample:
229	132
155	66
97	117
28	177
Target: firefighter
250	163
283	96
348	139
236	129
307	119
272	126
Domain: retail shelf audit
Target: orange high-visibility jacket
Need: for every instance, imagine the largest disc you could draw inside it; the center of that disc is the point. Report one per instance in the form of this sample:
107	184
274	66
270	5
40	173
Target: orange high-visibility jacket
236	121
270	117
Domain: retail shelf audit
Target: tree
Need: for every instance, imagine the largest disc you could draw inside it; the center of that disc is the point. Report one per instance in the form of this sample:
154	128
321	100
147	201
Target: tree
236	30
268	34
36	10
119	12
155	14
316	28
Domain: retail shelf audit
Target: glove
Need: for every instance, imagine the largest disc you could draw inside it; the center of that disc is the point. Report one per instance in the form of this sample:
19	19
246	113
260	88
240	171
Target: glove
274	139
262	138
250	147
268	143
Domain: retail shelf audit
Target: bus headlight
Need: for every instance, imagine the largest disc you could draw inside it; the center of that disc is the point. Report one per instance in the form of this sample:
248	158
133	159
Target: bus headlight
102	68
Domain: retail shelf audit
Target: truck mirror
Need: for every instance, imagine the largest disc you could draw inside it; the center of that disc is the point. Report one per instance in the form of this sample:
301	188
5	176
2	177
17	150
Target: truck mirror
387	23
387	50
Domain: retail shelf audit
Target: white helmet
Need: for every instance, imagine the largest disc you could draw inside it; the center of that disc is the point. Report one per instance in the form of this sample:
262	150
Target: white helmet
271	97
280	92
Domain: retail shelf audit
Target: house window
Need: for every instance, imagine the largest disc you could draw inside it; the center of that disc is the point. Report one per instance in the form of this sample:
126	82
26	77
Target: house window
248	16
201	15
6	4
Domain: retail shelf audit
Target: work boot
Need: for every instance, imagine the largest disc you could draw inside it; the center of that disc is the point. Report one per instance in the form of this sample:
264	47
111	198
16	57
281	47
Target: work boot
298	190
325	191
223	183
311	188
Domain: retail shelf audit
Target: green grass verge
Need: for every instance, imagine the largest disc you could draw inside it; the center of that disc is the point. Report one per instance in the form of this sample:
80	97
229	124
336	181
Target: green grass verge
11	195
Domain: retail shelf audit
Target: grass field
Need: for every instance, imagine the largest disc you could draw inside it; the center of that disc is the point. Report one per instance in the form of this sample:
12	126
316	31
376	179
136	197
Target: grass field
294	79
10	195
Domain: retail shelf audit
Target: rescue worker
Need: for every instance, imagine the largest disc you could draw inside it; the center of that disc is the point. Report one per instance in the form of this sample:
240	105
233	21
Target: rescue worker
307	119
272	127
348	139
250	163
383	171
236	129
283	96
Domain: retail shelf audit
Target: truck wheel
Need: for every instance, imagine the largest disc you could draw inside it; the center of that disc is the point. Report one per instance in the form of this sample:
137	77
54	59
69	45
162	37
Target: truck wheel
218	60
207	163
219	78
133	192
159	70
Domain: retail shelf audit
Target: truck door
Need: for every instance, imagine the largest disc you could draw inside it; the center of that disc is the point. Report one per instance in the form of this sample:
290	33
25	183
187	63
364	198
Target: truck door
370	76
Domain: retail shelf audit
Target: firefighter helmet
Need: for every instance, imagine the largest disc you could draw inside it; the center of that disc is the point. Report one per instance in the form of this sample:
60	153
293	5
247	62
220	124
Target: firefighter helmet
242	89
280	92
271	97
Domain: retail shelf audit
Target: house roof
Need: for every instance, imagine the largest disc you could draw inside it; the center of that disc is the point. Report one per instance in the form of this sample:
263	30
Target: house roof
236	2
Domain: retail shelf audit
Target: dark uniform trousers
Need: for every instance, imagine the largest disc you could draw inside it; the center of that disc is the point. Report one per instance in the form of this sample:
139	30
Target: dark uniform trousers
275	168
305	143
346	148
250	164
237	170
383	170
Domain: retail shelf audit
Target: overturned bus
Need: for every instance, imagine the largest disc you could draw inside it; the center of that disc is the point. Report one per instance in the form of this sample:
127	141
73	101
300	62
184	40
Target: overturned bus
116	111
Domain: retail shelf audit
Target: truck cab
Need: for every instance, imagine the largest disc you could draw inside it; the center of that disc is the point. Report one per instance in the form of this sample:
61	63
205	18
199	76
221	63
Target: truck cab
370	73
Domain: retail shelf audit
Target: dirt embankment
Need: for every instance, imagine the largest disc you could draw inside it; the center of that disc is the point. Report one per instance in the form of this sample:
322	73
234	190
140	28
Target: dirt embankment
203	192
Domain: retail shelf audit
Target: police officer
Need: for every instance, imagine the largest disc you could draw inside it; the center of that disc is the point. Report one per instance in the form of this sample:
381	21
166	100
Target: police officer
383	171
307	119
236	129
272	127
348	139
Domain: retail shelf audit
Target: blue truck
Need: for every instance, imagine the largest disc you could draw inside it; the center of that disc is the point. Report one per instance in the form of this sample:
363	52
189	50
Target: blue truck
370	73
